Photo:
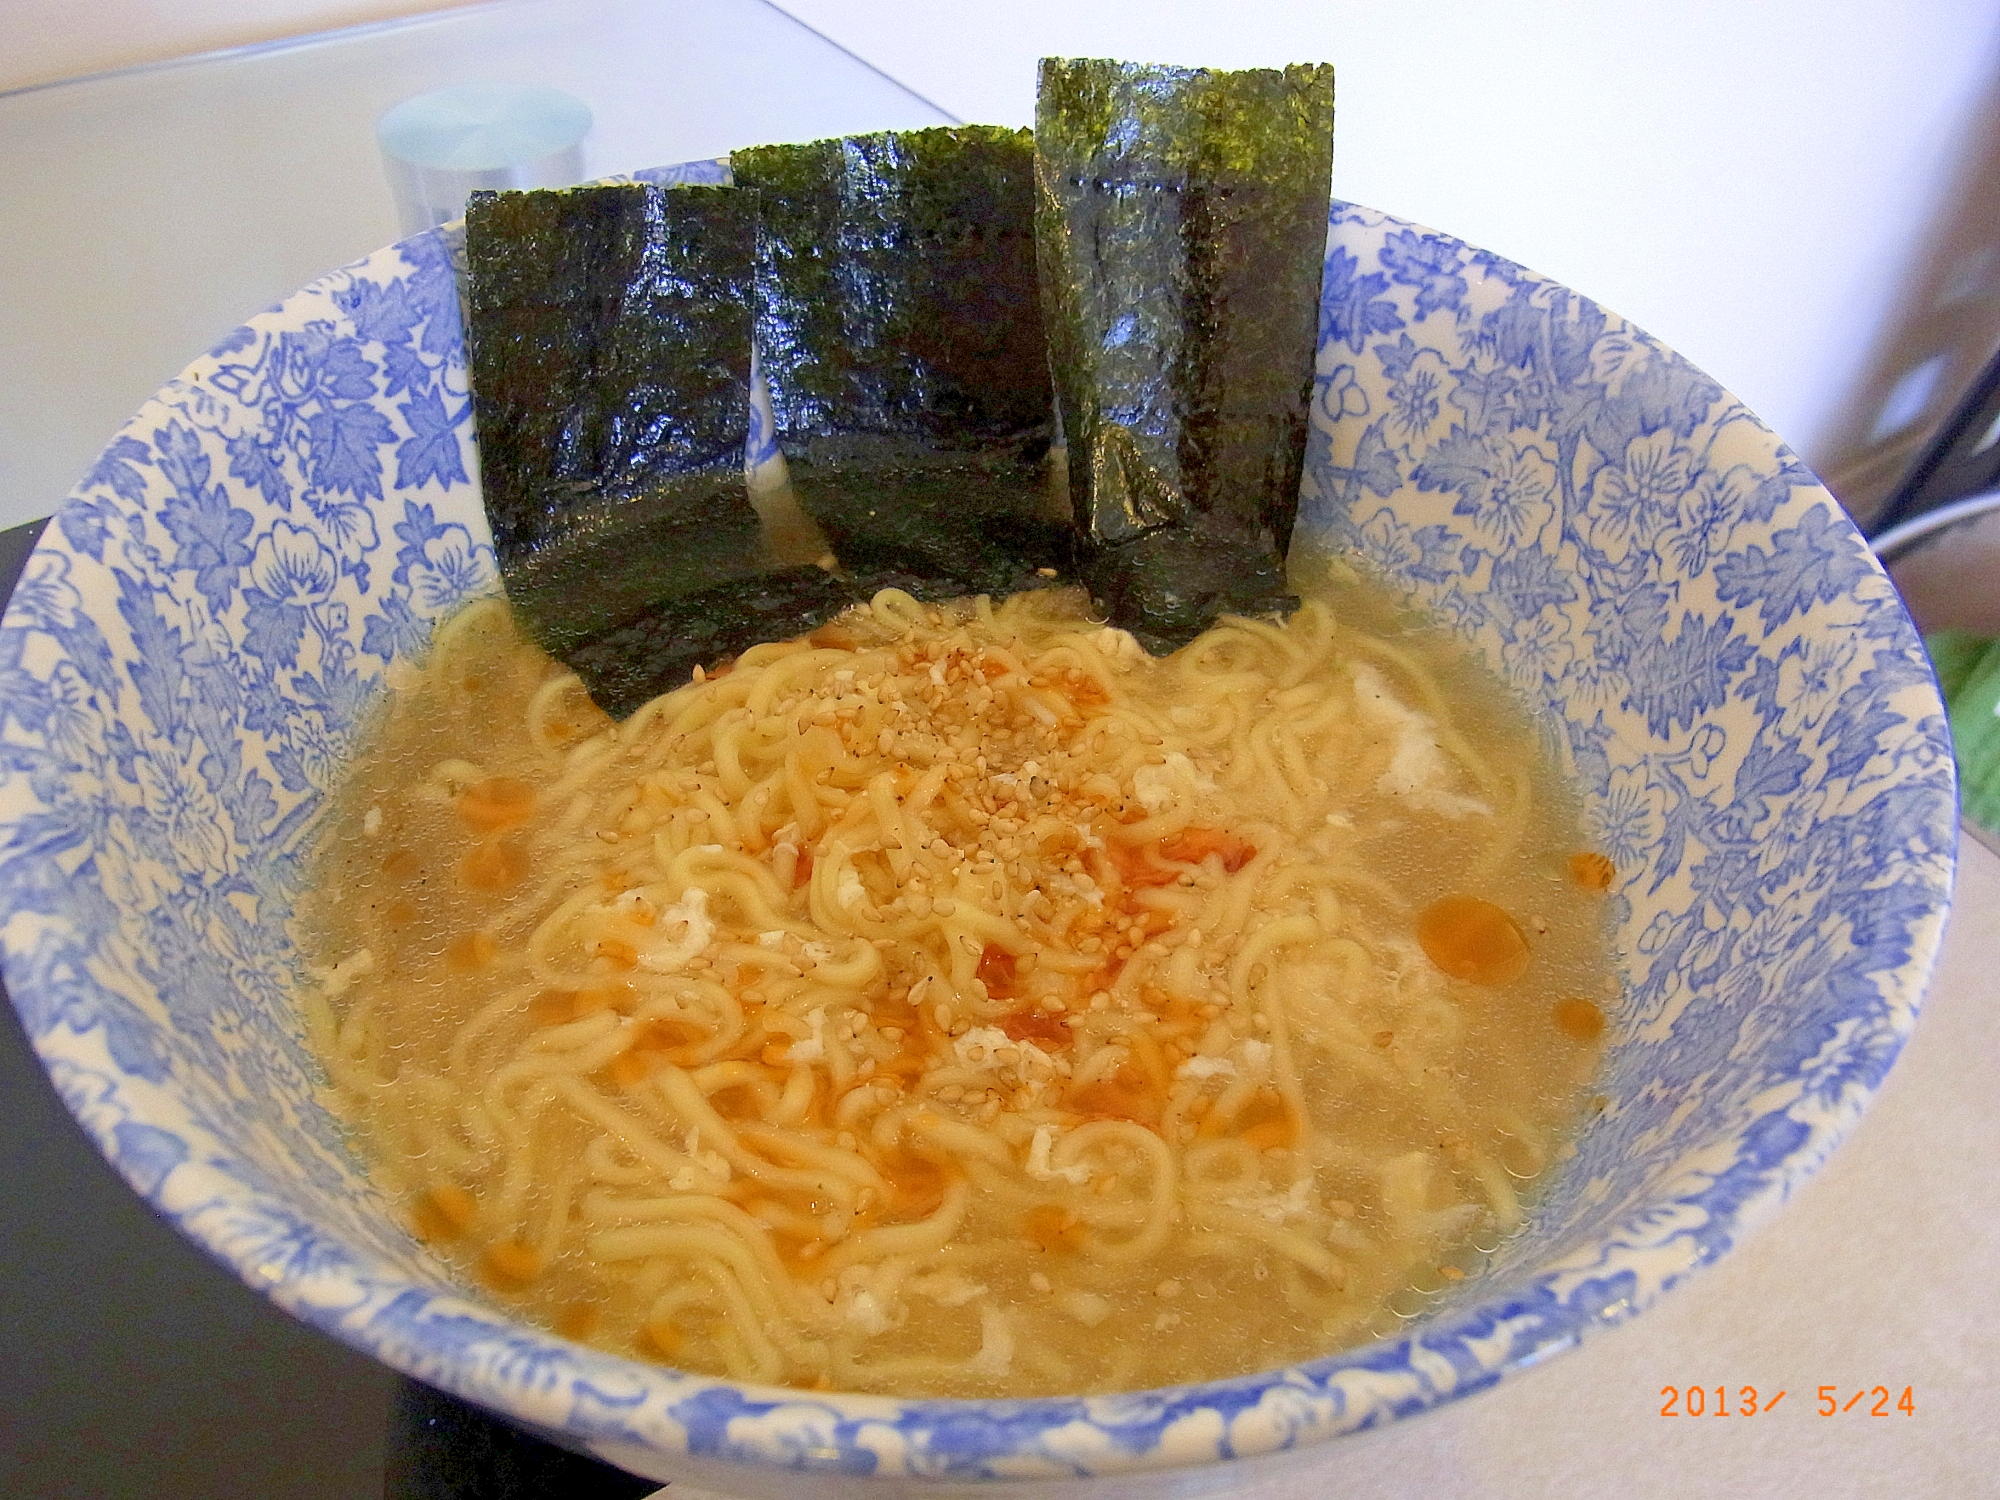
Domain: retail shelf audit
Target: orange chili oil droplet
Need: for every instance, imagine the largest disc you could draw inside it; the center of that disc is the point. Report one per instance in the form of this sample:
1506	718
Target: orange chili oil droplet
1084	690
469	952
617	953
997	972
1038	1026
1126	1095
1054	1228
659	1339
914	1046
630	1069
1274	1134
736	1103
553	1008
577	1321
1139	865
497	803
494	865
1265	1124
444	1212
1193	845
916	1185
1592	871
613	994
1151	1062
1579	1019
665	1035
1473	940
509	1265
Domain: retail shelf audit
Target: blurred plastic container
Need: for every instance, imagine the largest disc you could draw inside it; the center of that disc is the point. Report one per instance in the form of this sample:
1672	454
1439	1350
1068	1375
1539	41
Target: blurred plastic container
440	147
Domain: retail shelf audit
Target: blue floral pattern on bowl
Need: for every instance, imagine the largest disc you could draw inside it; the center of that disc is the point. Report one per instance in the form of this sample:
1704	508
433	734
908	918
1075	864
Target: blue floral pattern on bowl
196	642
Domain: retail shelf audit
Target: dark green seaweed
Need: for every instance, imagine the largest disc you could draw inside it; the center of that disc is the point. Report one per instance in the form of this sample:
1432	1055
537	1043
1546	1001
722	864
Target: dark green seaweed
892	284
634	662
899	333
1181	225
610	335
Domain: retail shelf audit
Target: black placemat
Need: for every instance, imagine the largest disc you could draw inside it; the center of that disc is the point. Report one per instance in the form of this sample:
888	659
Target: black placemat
132	1365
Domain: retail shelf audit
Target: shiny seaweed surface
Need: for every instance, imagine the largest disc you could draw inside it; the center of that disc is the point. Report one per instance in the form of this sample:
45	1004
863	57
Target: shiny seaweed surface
1181	227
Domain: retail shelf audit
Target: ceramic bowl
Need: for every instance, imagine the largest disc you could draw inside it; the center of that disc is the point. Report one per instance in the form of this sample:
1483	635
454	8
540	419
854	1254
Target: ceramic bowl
1725	666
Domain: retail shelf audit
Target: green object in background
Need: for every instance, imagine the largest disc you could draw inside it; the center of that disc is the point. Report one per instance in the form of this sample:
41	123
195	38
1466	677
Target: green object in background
1955	654
1968	668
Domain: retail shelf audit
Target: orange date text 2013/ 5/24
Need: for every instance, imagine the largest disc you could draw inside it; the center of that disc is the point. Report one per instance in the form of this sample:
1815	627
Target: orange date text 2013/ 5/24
1748	1401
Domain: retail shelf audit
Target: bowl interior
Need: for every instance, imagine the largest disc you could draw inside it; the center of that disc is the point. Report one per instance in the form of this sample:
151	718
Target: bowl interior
1723	666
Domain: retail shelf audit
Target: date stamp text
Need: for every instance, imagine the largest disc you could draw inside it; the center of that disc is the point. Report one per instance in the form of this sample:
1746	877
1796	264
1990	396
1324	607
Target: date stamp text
1750	1401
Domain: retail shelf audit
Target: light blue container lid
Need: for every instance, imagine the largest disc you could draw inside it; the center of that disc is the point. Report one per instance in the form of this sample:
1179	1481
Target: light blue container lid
482	127
439	147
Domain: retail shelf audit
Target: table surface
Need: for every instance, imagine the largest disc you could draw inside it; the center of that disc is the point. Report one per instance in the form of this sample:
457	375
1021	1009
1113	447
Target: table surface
145	214
136	1367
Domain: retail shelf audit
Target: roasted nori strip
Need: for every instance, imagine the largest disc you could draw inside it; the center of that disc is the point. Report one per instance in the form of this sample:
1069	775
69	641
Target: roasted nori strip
898	313
899	332
610	337
1181	224
659	650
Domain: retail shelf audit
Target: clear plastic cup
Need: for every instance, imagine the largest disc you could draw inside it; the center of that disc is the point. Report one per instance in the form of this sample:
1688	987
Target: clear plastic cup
439	147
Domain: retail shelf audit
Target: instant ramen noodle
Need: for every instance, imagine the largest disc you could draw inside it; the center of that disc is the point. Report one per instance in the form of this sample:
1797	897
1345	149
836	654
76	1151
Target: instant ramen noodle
960	1001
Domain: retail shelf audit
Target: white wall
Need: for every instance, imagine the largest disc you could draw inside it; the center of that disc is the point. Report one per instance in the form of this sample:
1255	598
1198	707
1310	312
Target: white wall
51	39
1749	180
